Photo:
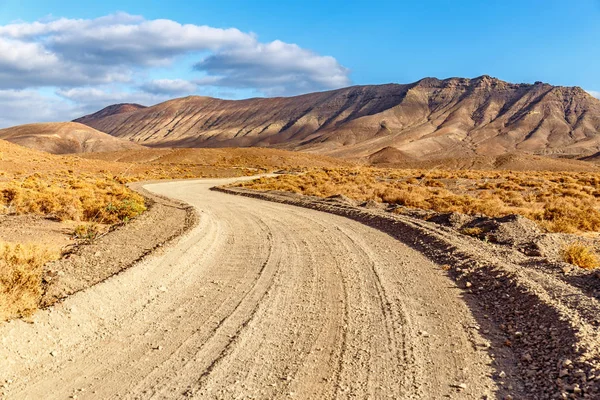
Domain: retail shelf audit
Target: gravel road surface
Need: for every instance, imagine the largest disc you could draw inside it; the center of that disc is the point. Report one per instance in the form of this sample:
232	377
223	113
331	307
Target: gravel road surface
260	300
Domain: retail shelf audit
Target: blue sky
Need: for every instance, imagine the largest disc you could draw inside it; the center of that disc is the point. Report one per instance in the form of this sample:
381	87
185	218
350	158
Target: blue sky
258	48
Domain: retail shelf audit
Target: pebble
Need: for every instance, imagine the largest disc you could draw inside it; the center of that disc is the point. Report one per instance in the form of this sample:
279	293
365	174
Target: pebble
53	353
563	372
502	374
462	386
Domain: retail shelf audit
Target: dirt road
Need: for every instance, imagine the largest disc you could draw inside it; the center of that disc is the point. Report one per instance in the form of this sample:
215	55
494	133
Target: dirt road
260	300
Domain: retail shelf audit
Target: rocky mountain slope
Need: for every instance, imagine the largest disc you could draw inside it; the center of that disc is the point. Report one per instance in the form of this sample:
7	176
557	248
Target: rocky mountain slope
64	138
111	110
430	118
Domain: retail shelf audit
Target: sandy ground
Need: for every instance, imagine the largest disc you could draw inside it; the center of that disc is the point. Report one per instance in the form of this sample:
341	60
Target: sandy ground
260	300
54	235
90	263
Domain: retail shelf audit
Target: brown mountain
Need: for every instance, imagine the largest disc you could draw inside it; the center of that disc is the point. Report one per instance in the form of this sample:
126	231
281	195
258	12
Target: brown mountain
64	138
430	118
111	110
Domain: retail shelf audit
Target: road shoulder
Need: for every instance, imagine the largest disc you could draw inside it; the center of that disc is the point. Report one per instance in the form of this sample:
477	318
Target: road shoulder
122	247
541	338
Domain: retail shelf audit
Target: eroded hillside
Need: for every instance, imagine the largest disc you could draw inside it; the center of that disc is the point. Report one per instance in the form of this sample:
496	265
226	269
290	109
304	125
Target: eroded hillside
428	119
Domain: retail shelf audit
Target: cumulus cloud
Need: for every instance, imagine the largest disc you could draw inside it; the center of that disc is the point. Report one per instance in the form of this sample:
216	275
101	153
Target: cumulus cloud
594	93
29	64
73	52
169	86
90	63
276	68
124	39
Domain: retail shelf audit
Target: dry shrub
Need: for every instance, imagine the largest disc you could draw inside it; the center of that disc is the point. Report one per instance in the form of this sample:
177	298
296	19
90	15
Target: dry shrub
581	255
558	201
569	215
84	198
87	232
21	268
433	183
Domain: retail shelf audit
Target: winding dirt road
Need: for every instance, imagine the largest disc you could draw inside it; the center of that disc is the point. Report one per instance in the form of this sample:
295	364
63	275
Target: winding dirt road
263	301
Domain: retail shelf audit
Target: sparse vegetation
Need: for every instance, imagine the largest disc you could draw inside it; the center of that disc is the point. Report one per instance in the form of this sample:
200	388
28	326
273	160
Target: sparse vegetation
557	201
581	255
21	268
86	232
67	197
93	192
475	231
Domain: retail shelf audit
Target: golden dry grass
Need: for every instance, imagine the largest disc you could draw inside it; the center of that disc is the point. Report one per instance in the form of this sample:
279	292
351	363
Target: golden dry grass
21	268
557	201
87	232
581	255
81	197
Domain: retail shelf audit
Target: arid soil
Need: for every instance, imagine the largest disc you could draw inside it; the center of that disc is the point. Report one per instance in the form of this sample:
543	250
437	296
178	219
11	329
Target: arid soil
547	312
125	244
220	159
431	118
33	228
517	161
267	300
45	199
64	138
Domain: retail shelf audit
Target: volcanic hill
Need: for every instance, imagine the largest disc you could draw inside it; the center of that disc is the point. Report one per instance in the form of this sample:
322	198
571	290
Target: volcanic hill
428	119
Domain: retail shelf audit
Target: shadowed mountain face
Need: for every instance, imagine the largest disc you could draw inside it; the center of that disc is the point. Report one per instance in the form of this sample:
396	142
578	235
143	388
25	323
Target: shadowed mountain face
428	119
64	138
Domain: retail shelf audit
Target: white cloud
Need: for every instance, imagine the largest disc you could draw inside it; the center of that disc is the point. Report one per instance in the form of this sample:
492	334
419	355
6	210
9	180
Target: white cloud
27	106
169	86
594	93
72	52
30	64
91	99
277	68
19	106
124	39
92	63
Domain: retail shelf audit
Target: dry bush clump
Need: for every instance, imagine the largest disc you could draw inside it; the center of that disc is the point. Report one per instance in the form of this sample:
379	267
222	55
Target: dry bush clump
581	255
66	197
21	268
87	232
557	201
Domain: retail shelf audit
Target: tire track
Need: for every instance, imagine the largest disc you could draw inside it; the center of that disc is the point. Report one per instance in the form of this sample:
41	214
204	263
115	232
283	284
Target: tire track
261	300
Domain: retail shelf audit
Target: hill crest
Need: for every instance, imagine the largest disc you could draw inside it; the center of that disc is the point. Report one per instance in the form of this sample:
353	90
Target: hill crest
64	138
430	118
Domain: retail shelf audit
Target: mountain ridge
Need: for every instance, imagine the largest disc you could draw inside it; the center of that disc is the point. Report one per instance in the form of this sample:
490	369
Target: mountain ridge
426	119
